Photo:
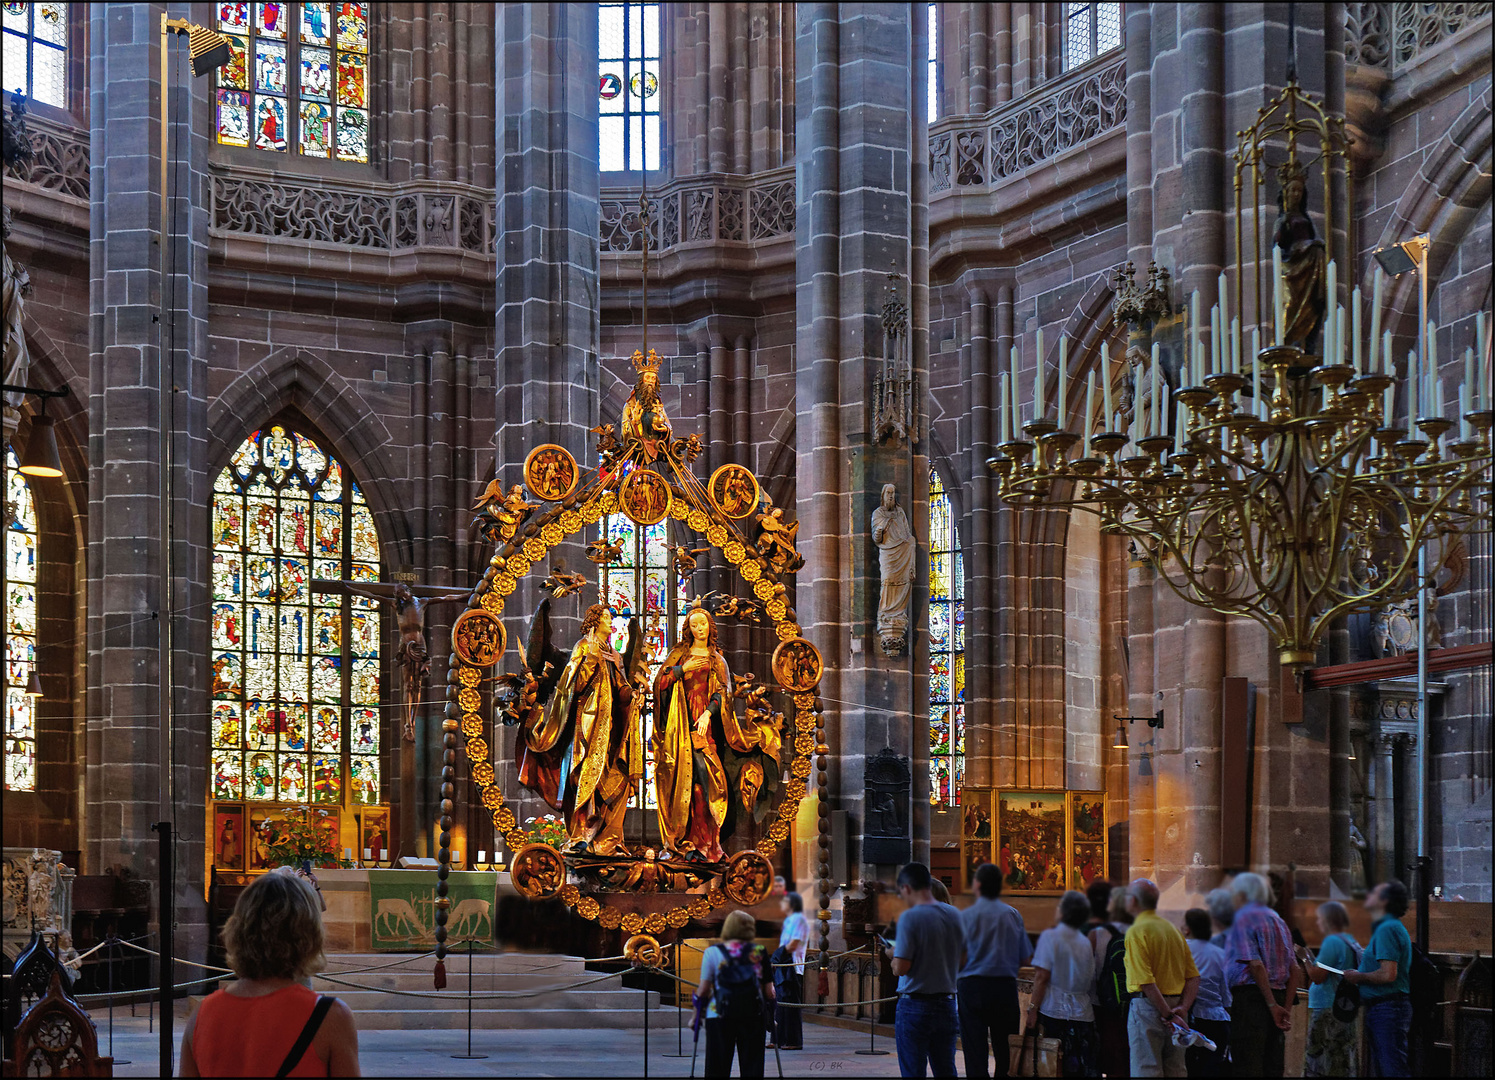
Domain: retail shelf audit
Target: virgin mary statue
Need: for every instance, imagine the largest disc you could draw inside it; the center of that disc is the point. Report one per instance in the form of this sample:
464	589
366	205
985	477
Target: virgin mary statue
580	749
701	745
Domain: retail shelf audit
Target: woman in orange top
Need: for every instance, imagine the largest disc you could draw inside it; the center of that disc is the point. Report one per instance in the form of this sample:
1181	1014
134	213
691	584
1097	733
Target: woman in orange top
274	943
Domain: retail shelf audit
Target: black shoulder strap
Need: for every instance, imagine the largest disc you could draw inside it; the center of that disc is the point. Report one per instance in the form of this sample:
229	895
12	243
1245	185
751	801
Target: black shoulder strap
308	1033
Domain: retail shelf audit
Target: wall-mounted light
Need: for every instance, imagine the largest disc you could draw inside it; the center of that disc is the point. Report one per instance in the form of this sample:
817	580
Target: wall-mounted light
40	458
34	684
1120	742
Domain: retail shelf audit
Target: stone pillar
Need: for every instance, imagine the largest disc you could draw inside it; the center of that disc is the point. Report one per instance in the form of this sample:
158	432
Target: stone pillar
125	784
861	239
547	271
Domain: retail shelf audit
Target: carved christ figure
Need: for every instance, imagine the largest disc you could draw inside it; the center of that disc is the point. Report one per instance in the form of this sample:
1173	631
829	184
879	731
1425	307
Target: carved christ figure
410	611
895	556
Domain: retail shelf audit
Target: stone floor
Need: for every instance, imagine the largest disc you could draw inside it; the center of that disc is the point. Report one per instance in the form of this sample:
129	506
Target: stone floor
828	1051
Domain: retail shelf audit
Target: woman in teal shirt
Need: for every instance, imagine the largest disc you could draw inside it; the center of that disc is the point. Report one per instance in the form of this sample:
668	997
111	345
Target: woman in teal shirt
1331	1041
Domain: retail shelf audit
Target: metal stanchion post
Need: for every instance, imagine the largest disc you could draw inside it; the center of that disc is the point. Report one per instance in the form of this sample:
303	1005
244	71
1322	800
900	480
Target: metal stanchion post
113	947
679	1014
872	1050
646	1024
469	1056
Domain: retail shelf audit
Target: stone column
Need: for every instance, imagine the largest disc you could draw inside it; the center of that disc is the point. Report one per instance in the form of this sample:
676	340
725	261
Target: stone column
861	239
125	790
547	268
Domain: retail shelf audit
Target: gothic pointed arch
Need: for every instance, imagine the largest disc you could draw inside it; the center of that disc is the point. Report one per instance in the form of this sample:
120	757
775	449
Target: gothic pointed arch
298	380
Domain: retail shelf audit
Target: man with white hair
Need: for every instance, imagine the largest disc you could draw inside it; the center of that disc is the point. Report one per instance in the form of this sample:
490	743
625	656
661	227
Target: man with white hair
1263	976
1160	971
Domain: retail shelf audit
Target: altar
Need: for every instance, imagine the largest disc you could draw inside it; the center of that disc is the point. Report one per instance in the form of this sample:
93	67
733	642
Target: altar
353	907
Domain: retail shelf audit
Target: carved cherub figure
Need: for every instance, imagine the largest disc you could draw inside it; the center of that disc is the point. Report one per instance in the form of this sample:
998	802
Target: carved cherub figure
776	539
602	552
685	558
562	583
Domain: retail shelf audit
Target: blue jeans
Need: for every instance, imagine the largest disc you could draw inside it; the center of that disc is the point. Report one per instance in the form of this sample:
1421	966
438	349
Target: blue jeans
1386	1025
925	1032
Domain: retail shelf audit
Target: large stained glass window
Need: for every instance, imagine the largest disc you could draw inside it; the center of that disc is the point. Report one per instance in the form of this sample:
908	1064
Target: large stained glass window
947	642
20	627
628	85
295	673
298	81
640	583
36	52
1089	30
934	62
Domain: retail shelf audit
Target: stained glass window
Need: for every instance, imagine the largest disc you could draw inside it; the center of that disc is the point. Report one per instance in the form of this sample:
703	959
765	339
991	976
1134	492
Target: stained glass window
36	52
934	62
1089	30
628	86
295	673
298	80
20	628
947	643
641	584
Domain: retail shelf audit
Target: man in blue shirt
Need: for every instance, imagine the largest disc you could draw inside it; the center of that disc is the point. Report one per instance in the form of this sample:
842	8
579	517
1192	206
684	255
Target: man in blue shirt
926	956
996	946
1384	979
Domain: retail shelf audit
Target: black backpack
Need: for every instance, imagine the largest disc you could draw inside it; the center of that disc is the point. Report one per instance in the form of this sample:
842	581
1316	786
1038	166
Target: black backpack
737	993
1347	994
1110	984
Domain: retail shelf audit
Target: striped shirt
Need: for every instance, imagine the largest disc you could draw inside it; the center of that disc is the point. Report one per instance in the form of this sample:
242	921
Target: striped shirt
1258	933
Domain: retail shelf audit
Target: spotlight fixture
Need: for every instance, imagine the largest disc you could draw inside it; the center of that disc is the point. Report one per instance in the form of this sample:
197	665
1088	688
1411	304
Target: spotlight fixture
1120	742
208	48
40	457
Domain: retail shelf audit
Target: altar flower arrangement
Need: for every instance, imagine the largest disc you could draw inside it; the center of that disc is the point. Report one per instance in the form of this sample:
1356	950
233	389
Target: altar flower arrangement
546	830
306	834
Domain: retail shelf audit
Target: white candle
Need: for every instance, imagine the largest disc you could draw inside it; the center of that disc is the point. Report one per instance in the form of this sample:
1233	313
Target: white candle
1375	321
1388	405
1279	310
1256	371
1464	401
1430	369
482	856
1235	345
1155	366
1105	380
1089	407
1332	296
1355	328
1413	389
1194	331
1224	305
1214	340
1006	409
1178	427
1386	368
1482	348
1017	416
1038	380
1063	368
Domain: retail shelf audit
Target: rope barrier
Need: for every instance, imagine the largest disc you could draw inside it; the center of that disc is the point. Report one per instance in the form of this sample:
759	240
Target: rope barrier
807	961
381	967
499	995
180	960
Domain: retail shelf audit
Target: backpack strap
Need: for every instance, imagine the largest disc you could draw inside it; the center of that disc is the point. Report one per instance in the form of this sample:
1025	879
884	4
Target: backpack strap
308	1033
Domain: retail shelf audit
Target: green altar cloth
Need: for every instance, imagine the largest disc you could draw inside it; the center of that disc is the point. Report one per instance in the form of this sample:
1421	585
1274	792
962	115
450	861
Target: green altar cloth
402	907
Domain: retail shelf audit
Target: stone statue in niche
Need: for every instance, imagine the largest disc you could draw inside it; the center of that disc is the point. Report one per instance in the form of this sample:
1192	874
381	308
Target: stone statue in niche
1303	260
886	836
895	556
15	284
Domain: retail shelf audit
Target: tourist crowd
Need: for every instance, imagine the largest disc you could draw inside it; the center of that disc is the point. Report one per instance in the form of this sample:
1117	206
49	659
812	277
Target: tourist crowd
1120	991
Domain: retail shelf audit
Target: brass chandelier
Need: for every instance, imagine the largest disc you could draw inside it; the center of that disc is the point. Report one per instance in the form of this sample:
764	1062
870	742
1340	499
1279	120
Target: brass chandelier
1283	489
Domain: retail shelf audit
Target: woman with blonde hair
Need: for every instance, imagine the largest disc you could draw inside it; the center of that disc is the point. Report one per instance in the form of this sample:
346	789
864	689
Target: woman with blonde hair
269	1022
737	988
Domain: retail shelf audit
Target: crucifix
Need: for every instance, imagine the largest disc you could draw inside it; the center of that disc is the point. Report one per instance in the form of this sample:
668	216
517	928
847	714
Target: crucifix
410	603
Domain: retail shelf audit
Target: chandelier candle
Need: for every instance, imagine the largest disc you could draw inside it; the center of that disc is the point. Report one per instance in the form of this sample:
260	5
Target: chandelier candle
1063	374
1038	379
1279	311
1155	366
1375	322
1355	327
1003	406
1089	409
1106	386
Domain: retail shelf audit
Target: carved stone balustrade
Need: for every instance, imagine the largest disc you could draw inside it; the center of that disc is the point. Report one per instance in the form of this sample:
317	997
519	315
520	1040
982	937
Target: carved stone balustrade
59	159
702	210
967	152
1394	36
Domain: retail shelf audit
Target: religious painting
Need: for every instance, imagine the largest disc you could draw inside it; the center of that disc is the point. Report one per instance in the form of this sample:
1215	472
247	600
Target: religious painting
265	831
797	665
1087	837
976	816
229	839
374	825
645	497
1031	836
734	490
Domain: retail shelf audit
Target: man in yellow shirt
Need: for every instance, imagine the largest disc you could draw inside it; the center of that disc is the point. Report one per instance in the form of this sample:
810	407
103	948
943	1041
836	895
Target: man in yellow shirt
1160	971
